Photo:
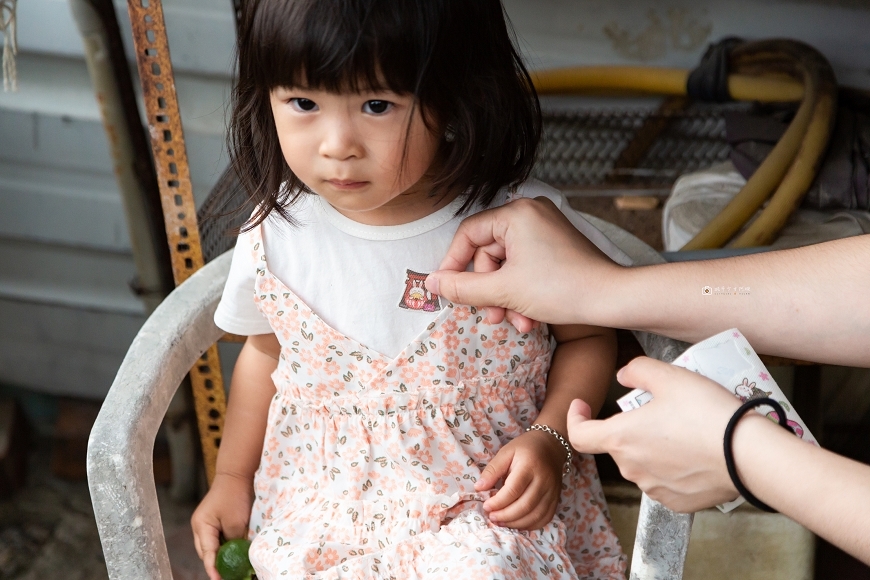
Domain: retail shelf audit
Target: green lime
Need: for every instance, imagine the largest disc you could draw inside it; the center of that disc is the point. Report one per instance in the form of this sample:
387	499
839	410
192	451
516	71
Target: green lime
232	561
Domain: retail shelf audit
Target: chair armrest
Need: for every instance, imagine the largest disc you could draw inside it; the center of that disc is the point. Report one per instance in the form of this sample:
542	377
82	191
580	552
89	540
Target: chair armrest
121	443
662	538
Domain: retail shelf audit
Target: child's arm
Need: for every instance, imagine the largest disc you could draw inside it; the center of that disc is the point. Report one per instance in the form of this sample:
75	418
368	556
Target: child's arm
532	464
226	508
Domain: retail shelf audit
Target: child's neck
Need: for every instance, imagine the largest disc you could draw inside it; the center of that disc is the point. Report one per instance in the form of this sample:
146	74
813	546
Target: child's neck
407	207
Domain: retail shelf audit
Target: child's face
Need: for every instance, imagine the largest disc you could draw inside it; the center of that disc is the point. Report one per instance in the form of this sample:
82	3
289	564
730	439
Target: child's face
349	148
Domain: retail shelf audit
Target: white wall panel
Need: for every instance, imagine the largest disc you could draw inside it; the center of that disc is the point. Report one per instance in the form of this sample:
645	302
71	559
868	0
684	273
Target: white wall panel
56	205
676	32
68	276
65	351
201	34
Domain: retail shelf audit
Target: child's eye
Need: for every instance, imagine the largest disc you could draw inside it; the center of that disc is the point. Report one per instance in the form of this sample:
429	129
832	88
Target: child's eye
304	105
377	107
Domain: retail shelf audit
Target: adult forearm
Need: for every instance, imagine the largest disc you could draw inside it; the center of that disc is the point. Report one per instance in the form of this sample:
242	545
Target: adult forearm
824	492
805	303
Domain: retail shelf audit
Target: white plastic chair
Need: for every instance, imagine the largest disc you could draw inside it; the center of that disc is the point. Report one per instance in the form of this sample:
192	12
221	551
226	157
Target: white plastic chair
120	470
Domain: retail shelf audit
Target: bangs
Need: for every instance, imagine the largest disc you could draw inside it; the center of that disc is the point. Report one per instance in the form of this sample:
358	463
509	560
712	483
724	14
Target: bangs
355	45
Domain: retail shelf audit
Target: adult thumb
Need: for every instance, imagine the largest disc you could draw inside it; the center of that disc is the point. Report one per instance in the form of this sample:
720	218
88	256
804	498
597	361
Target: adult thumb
584	433
471	288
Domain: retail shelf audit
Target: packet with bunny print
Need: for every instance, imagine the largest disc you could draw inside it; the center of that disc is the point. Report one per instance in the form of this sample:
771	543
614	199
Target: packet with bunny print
728	359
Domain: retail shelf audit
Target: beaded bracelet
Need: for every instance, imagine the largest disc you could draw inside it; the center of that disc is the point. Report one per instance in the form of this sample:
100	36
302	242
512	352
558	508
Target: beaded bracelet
565	444
729	453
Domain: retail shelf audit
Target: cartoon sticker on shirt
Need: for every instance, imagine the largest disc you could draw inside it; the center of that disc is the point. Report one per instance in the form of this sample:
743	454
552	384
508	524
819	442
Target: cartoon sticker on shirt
416	297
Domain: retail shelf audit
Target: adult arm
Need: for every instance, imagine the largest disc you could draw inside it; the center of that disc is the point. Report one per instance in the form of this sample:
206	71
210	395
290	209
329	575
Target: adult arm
672	447
804	303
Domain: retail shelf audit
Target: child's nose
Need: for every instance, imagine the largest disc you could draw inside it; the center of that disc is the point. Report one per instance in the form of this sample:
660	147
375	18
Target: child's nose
340	141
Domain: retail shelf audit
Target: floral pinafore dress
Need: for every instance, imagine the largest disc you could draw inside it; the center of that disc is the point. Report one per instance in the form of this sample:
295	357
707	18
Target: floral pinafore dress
369	463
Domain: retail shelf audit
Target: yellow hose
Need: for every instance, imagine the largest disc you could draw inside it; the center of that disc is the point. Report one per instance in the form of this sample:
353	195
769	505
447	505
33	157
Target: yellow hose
790	167
763	230
659	81
762	183
766	71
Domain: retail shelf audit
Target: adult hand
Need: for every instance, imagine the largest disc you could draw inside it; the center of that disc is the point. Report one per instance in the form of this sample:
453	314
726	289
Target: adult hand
530	263
672	446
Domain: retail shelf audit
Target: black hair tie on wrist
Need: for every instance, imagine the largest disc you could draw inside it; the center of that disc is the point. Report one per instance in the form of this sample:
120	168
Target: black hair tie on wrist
729	453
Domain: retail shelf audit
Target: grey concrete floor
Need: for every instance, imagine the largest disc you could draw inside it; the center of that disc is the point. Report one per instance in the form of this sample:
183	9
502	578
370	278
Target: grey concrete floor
47	529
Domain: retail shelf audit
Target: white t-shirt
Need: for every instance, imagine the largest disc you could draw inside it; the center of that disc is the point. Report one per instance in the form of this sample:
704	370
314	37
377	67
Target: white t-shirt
361	280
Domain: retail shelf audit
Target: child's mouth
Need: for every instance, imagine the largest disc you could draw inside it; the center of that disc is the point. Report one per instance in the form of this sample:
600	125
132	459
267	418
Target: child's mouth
346	183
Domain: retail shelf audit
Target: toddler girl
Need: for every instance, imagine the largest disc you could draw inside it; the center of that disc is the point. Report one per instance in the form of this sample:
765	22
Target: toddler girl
370	422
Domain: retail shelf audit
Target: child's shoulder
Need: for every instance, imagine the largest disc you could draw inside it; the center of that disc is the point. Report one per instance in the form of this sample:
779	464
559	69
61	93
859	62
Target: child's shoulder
533	188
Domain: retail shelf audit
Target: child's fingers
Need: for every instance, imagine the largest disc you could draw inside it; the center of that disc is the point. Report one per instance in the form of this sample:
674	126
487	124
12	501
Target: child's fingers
206	540
514	487
211	570
496	470
533	520
531	510
209	554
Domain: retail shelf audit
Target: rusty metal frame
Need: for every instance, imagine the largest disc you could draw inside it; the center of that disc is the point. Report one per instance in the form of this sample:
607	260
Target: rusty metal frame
176	196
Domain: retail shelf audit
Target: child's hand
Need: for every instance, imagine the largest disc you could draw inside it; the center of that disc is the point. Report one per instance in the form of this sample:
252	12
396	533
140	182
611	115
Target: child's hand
225	509
531	466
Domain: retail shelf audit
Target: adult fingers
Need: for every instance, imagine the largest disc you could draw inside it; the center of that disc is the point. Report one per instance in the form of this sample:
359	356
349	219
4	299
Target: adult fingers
648	374
665	381
478	231
590	435
520	322
474	288
495	314
488	258
579	411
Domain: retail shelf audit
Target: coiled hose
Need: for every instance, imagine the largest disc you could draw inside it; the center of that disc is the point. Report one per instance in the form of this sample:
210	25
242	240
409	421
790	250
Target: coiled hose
765	71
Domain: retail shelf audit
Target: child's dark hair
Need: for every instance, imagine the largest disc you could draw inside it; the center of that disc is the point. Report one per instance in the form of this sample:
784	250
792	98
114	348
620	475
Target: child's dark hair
455	56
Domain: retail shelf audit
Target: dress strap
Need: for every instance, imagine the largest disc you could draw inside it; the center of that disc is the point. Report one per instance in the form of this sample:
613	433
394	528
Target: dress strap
258	252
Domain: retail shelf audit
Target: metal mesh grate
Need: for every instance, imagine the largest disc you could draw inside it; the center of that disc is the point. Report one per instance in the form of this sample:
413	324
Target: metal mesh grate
580	151
217	217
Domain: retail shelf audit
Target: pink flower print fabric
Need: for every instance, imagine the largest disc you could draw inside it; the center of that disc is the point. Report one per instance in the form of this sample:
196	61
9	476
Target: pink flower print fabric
369	463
